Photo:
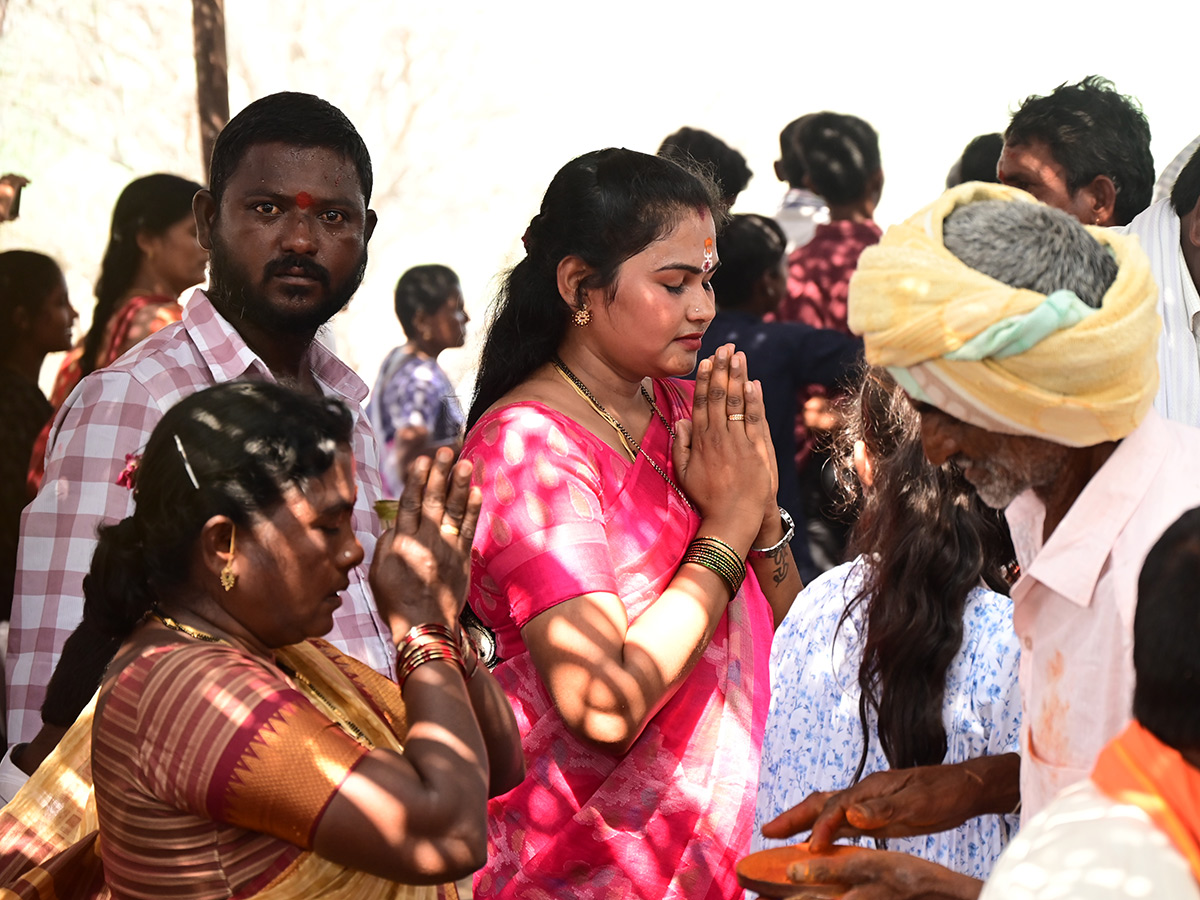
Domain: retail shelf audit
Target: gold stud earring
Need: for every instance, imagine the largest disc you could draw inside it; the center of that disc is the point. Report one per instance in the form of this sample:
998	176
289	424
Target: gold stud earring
582	316
228	576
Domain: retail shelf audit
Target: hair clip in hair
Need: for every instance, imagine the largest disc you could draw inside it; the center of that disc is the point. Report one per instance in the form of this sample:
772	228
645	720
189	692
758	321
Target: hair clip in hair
187	465
708	254
128	477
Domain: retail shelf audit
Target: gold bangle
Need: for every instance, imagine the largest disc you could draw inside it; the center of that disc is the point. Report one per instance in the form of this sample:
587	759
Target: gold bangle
432	654
715	540
424	643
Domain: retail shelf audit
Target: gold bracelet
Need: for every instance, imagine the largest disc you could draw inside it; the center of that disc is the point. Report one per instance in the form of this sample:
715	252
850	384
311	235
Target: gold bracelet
709	539
424	643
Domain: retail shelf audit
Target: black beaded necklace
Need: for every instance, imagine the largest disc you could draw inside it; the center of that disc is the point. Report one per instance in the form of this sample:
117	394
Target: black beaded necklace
631	444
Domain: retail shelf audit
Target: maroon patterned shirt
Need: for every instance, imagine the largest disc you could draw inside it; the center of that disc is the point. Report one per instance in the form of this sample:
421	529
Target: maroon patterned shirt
819	274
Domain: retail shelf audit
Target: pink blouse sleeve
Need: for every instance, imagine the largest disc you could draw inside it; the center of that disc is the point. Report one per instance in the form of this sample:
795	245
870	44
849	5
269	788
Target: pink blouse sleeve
541	537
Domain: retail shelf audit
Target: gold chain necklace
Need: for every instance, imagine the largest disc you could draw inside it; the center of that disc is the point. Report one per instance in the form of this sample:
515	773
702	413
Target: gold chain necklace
199	635
307	687
631	444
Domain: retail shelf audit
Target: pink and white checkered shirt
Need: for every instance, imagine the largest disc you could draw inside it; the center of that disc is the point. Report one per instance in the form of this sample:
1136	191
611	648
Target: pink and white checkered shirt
111	413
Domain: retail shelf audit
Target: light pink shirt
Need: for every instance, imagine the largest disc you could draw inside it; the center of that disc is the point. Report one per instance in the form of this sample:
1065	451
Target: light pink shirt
1074	602
111	413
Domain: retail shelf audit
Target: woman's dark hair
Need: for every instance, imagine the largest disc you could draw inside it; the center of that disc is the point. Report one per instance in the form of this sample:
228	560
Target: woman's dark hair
748	247
423	289
148	205
791	153
244	444
927	540
603	207
841	153
26	280
723	164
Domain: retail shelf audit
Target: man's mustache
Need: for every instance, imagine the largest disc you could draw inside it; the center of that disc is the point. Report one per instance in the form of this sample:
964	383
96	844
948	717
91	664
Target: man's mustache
308	267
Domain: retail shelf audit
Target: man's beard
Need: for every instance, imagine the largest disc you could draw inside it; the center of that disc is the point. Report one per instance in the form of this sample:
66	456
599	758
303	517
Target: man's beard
236	295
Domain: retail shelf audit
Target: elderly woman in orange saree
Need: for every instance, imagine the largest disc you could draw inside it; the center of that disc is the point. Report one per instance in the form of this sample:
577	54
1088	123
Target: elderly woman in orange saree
233	754
611	557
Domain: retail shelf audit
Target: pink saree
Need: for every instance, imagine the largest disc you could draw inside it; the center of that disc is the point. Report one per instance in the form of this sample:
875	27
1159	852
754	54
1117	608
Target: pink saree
563	515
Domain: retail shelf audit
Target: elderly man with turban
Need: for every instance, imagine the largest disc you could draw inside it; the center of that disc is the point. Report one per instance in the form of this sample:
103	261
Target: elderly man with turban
1028	343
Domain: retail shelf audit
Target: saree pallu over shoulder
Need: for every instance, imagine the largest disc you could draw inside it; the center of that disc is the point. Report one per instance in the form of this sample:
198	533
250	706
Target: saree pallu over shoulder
670	818
48	840
49	844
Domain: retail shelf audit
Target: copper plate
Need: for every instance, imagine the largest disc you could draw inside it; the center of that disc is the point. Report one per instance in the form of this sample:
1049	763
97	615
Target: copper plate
767	871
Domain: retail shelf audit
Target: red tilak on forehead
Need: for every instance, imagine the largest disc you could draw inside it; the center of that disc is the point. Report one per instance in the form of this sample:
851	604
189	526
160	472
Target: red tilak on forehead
304	200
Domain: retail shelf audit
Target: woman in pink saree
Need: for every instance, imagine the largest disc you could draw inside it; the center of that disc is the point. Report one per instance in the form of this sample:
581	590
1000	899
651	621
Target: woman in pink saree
630	559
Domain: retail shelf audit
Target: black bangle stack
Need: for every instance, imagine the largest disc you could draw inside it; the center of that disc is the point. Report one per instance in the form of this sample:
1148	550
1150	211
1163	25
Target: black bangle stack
717	556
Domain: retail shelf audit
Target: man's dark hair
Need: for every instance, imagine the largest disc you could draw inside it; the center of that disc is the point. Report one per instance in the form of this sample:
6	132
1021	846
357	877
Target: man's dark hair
300	120
1091	130
979	159
1166	633
841	154
720	162
1186	191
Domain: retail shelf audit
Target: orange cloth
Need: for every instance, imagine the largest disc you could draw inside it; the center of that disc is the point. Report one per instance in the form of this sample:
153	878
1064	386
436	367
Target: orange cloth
1139	769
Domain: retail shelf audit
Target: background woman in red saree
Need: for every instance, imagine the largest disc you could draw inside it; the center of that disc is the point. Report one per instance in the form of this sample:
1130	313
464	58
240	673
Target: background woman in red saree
609	562
151	257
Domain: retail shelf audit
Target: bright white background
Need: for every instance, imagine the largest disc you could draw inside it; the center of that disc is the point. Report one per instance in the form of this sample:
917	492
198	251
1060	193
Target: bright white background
469	108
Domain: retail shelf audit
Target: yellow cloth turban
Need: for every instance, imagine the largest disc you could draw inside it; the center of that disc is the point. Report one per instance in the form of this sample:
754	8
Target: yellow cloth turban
1008	360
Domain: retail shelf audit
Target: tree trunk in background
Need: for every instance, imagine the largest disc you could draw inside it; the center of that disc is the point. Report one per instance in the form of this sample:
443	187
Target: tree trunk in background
212	72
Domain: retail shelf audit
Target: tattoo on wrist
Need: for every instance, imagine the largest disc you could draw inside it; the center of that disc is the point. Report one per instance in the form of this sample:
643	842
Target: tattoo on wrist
779	559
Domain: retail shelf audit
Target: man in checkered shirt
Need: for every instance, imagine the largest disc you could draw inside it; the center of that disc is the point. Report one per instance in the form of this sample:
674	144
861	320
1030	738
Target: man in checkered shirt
287	223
